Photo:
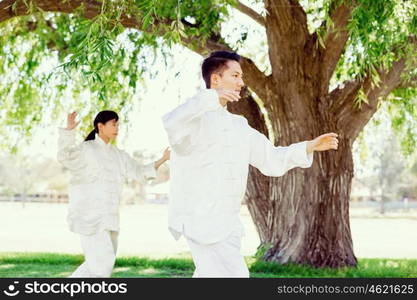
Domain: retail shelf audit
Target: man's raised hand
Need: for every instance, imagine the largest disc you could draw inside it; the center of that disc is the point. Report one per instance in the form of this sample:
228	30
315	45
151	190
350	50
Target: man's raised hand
227	96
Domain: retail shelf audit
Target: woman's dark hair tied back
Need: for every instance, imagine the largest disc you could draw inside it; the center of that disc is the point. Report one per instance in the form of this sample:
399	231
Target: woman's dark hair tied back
102	117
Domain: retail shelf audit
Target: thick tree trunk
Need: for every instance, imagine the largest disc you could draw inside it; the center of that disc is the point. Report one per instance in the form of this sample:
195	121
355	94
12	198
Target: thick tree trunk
311	214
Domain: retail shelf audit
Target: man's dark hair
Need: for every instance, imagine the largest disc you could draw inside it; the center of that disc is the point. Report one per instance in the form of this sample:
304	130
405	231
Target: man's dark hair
217	62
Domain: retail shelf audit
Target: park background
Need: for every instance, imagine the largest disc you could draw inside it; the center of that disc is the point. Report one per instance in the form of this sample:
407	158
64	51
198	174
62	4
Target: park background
33	186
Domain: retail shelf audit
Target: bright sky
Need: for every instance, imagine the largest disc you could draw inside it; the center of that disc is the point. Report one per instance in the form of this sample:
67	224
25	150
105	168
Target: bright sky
145	132
164	94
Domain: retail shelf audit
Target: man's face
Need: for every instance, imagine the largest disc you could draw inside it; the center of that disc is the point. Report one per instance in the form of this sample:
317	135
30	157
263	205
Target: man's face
230	78
110	129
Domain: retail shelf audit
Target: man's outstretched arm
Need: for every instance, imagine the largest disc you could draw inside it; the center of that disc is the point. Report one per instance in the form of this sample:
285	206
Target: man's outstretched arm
276	161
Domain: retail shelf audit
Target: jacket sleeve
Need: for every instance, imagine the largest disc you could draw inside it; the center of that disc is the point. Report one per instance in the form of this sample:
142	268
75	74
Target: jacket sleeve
276	161
134	170
70	155
182	123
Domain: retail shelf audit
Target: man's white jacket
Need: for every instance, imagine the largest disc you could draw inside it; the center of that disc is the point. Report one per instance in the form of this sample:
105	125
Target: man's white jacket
97	173
211	153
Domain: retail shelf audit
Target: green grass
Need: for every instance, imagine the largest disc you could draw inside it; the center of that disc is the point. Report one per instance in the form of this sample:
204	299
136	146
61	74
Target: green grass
366	268
62	265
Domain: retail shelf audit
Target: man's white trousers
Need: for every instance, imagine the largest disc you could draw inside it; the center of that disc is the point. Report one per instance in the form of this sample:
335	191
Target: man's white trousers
222	259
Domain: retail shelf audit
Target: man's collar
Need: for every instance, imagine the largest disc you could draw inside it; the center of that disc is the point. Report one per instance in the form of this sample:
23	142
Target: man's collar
223	109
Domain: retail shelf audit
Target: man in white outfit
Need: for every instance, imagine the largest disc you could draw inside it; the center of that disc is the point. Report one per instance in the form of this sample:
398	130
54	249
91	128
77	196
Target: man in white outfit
211	153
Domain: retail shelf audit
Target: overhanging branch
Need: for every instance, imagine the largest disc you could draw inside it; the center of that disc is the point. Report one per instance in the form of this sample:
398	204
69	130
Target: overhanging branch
287	34
408	83
336	37
251	13
351	118
286	17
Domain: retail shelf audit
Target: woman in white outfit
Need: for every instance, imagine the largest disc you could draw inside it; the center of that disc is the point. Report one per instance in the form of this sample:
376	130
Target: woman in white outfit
97	172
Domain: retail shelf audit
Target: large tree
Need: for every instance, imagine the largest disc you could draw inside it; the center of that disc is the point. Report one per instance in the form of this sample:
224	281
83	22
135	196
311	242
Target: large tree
329	64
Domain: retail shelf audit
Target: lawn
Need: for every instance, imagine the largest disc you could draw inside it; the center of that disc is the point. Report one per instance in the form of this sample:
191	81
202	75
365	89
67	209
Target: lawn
61	265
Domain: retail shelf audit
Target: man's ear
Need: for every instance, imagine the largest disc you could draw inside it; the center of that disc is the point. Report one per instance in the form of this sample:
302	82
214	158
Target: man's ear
214	79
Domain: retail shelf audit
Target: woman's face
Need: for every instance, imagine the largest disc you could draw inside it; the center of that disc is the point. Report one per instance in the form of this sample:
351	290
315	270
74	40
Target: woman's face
110	129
